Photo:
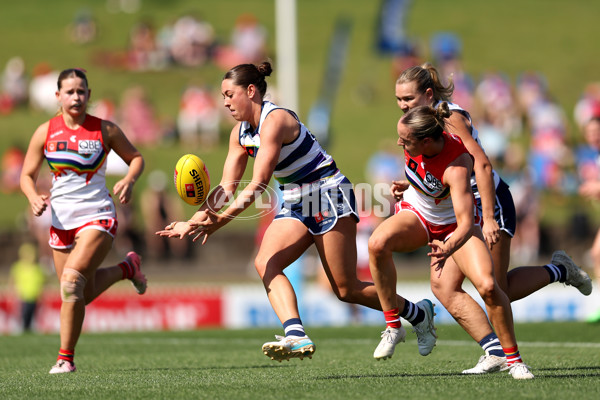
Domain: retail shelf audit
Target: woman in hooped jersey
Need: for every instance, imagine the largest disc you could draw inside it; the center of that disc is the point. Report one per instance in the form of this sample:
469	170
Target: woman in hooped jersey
438	210
318	207
421	85
84	221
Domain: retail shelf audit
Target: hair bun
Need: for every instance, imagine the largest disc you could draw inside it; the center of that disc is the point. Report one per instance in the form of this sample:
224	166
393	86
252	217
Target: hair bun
265	68
442	110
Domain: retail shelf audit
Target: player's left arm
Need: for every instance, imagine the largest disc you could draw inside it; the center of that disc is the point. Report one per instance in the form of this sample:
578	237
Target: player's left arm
460	126
115	140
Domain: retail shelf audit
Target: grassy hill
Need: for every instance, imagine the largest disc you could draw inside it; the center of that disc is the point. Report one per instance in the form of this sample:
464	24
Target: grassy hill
553	37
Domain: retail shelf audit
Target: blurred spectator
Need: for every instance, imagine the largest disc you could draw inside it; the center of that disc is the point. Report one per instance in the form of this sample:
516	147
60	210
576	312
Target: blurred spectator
104	108
159	208
125	6
531	88
144	53
525	245
445	47
383	167
549	156
137	117
14	85
409	57
42	89
498	105
589	171
248	43
588	105
83	29
198	118
12	162
27	277
191	41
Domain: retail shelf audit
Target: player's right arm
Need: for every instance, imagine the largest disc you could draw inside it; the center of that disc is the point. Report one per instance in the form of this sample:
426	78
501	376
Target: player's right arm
233	171
31	168
460	125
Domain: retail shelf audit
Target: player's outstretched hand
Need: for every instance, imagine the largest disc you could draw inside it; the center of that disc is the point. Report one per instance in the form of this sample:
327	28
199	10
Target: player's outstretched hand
176	229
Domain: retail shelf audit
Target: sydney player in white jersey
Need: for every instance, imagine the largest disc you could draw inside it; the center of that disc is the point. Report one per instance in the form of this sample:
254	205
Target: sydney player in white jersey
318	204
84	221
421	85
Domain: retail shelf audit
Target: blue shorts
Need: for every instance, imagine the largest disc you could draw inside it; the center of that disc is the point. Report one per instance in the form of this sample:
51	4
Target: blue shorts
504	210
320	210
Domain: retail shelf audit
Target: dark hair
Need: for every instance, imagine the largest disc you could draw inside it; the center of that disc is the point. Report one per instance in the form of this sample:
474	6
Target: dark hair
71	73
427	77
245	75
426	121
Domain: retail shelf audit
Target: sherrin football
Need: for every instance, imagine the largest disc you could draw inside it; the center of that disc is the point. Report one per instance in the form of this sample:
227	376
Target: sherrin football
192	181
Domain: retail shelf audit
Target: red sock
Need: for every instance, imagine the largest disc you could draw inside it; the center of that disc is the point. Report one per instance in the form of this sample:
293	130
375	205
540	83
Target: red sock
66	355
512	355
392	318
127	269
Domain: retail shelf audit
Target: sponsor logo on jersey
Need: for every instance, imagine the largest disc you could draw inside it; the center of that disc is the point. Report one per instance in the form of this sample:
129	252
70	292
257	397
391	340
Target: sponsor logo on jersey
432	182
89	146
52	136
57	145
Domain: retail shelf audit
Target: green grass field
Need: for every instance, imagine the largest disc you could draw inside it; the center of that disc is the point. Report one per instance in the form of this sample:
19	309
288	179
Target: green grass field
228	364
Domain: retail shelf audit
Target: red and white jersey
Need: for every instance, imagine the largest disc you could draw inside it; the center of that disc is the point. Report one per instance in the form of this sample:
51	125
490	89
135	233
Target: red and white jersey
427	192
77	159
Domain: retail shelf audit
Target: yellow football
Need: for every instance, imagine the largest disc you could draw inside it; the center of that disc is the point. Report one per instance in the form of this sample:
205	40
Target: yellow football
192	181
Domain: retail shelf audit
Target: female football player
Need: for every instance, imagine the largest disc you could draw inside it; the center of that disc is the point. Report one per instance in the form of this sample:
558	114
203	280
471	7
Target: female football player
84	221
421	85
318	208
437	209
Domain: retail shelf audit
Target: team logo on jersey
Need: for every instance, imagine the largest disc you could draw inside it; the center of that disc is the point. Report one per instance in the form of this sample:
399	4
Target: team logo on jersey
318	217
57	145
89	146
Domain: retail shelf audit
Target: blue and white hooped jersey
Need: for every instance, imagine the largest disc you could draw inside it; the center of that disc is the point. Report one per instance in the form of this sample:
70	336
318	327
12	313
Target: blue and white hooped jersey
475	135
303	165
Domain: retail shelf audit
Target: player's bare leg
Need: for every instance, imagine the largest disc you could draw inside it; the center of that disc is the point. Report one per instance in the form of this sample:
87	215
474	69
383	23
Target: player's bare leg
284	242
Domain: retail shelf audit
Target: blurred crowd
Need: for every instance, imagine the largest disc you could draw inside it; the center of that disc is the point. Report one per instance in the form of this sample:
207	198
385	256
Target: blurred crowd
525	131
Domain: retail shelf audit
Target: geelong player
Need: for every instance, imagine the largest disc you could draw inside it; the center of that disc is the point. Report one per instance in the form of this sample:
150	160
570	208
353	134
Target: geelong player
84	222
421	85
437	209
318	208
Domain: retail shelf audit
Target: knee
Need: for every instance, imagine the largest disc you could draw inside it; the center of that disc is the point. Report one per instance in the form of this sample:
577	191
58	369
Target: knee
488	290
260	266
379	247
446	295
72	286
344	293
